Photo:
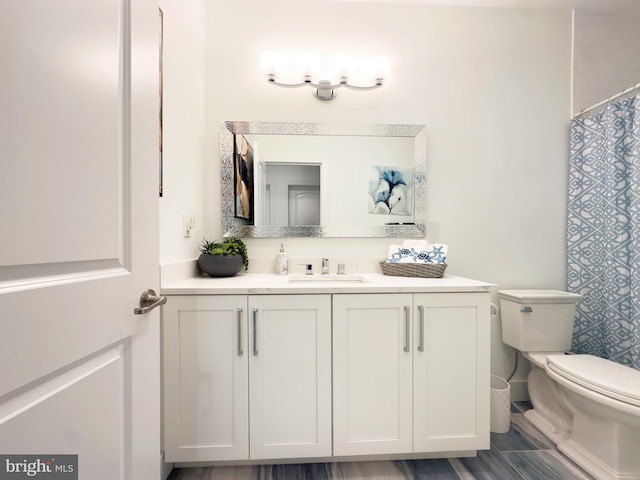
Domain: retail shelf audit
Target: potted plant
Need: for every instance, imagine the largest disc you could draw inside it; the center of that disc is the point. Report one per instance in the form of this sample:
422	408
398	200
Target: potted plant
223	259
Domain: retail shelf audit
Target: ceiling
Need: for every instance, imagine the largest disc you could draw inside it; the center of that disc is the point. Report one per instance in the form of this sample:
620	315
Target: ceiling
605	6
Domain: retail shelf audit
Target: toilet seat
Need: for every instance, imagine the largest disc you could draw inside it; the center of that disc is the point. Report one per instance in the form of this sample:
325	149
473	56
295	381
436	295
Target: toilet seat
606	377
539	358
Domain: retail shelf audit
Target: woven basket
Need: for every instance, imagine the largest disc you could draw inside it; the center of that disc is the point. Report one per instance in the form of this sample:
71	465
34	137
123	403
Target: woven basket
424	270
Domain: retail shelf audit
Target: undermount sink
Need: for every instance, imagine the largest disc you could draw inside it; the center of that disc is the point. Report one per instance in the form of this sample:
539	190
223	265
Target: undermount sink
327	278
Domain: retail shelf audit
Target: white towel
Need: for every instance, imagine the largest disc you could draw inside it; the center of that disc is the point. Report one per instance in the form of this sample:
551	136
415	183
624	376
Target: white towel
400	254
395	253
436	253
418	245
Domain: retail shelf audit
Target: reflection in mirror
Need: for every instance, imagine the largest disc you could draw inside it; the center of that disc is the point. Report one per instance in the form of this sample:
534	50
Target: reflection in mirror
320	180
287	194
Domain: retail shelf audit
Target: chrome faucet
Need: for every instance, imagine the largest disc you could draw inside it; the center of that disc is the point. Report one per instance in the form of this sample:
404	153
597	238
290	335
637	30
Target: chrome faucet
325	266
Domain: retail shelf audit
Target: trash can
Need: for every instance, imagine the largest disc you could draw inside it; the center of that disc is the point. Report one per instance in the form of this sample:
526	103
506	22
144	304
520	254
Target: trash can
500	405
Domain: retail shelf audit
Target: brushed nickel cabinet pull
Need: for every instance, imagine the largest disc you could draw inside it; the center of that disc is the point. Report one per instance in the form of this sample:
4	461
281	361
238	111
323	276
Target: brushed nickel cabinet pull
240	351
421	345
407	321
255	332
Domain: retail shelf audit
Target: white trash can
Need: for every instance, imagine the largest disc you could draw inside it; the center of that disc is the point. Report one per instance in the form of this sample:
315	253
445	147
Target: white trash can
500	405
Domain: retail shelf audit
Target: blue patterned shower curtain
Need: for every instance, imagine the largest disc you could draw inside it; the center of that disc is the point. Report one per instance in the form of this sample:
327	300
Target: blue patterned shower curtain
603	231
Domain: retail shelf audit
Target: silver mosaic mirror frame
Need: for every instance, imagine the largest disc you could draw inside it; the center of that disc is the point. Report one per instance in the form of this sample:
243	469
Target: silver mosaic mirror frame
417	230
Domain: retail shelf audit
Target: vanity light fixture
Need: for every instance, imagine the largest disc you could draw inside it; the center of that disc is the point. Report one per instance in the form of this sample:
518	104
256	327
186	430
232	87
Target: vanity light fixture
308	69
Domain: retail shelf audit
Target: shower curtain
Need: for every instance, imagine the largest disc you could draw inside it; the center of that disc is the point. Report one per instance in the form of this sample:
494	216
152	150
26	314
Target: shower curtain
603	231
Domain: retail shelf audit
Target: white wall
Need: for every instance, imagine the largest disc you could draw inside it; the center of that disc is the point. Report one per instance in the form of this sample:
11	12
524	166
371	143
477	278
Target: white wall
491	85
185	164
606	56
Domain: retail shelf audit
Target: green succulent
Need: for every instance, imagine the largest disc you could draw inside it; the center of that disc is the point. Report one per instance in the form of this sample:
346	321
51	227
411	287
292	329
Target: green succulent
228	246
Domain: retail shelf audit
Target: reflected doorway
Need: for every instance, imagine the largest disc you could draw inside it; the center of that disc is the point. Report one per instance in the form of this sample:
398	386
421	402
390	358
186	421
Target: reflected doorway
288	194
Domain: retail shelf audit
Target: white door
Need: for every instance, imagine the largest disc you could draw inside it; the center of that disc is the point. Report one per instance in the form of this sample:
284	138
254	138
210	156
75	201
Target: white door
304	205
206	378
290	376
79	372
372	379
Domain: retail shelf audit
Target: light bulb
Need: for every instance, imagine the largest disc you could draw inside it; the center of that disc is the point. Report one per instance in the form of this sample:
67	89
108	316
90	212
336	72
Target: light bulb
341	65
380	67
272	63
370	70
307	65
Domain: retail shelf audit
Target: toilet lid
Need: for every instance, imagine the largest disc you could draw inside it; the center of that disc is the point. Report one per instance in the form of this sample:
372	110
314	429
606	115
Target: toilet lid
533	297
603	376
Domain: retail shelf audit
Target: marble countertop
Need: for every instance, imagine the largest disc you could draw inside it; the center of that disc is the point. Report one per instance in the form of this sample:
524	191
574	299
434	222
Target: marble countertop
269	283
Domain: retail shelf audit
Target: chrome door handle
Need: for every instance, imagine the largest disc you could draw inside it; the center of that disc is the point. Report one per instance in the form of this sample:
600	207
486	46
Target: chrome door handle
148	301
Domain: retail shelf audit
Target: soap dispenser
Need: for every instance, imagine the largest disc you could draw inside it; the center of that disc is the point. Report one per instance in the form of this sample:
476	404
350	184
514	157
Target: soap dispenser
282	262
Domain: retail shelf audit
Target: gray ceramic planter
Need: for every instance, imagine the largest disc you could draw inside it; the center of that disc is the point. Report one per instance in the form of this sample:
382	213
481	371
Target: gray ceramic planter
220	265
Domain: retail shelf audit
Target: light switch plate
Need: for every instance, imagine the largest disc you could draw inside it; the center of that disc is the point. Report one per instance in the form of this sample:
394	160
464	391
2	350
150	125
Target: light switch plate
188	224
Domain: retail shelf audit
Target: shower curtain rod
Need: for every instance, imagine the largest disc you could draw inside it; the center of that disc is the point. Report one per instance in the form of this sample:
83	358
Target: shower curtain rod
628	91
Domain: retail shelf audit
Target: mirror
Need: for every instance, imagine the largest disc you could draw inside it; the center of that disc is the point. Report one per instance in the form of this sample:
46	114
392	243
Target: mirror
287	193
372	180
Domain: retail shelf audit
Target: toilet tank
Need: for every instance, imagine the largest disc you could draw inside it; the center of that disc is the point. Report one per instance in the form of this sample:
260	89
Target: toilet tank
538	320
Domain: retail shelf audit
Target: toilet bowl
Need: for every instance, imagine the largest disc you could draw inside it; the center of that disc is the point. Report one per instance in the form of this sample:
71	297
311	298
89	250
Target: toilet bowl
588	406
604	398
548	413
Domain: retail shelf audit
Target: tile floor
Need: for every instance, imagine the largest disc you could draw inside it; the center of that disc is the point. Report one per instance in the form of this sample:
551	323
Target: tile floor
522	453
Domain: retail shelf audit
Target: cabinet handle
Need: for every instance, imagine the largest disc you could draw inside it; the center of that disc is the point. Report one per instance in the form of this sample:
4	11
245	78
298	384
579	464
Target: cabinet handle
421	346
240	352
407	339
255	332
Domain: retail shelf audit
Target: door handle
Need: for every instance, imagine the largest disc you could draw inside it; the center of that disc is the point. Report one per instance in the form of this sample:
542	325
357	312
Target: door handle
148	301
421	310
407	326
255	332
240	352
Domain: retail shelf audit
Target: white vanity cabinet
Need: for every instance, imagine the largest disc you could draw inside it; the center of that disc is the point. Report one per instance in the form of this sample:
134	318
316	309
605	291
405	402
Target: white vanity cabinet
372	374
247	377
410	373
289	376
206	378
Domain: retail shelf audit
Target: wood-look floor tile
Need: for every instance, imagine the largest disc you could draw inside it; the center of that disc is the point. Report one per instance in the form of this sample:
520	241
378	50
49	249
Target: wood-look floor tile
384	470
488	465
522	435
544	465
300	471
435	469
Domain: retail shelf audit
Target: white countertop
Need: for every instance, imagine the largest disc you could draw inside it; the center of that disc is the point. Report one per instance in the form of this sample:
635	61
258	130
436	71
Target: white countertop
269	283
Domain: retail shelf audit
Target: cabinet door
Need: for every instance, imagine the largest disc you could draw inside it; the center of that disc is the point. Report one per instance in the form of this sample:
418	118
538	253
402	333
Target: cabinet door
372	374
451	372
205	378
290	376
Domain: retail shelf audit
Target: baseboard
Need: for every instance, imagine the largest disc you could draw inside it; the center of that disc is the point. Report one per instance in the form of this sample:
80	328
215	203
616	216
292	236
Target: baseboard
165	470
338	459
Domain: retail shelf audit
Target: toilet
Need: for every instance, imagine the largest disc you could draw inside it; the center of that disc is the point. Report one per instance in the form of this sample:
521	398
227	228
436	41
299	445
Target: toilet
588	406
